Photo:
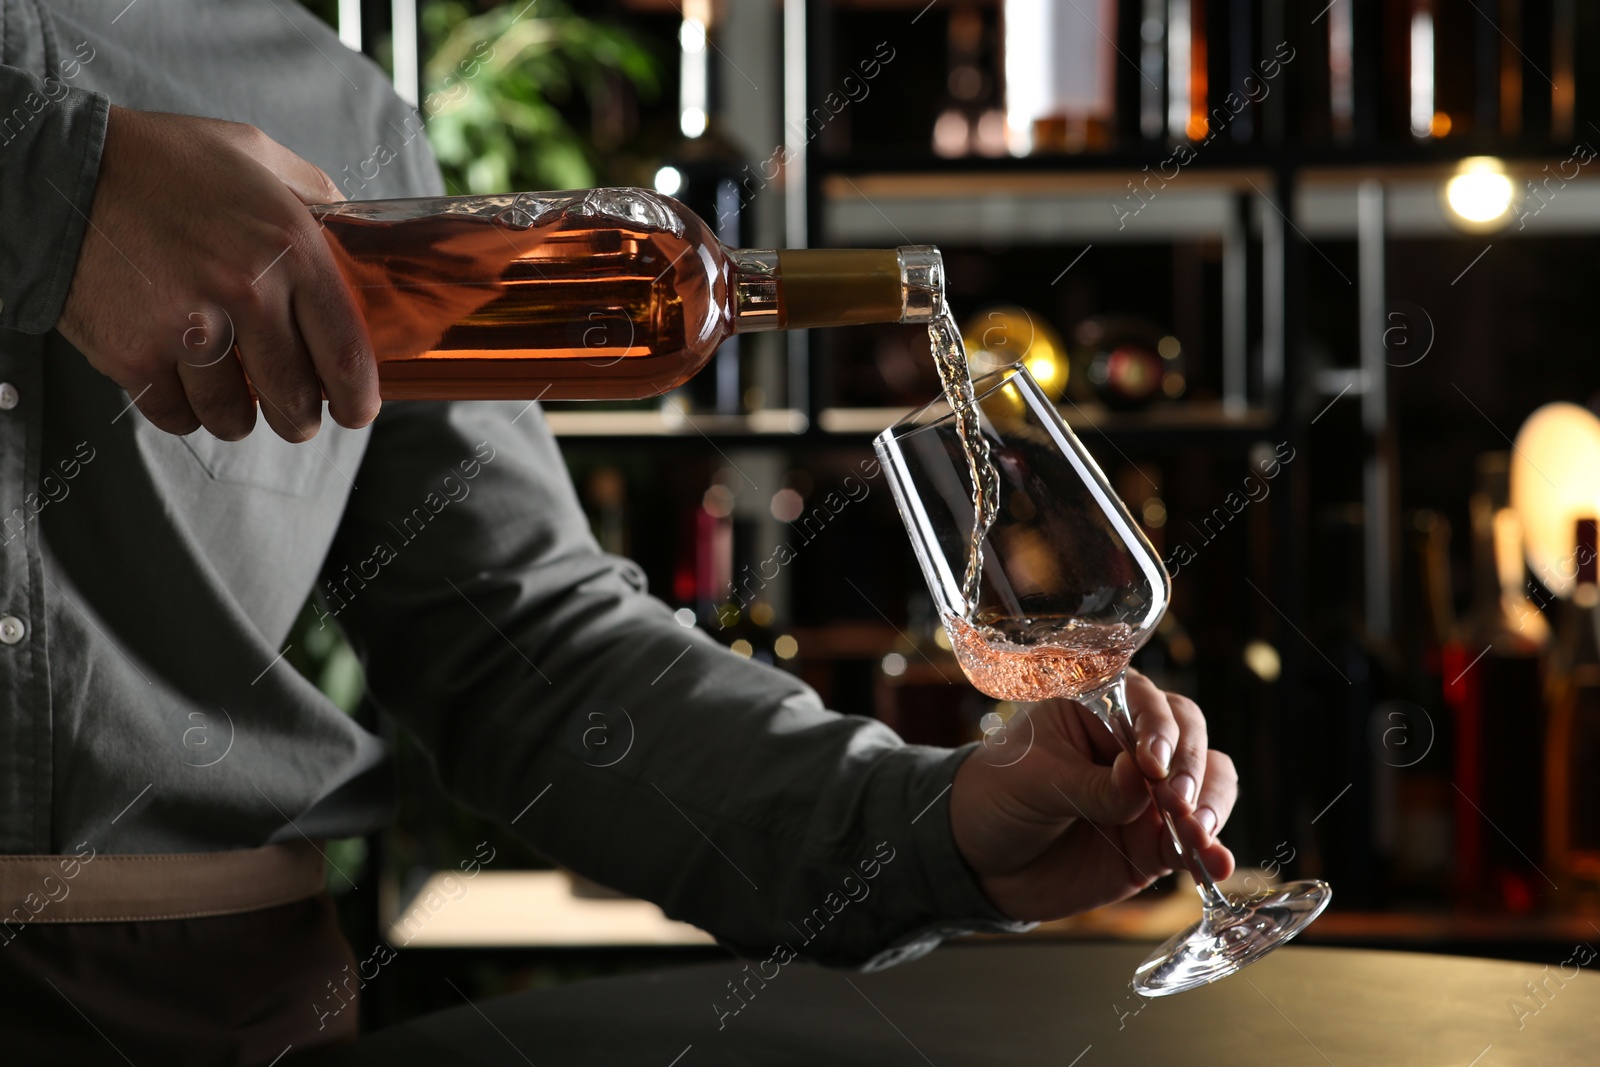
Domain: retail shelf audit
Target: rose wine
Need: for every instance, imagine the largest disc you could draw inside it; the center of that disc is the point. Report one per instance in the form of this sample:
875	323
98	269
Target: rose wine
602	294
1043	657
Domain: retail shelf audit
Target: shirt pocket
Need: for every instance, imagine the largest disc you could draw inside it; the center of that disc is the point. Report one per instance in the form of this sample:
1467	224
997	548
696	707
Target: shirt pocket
263	460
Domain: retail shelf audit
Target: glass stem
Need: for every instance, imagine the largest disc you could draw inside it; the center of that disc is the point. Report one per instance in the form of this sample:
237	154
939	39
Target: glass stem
1110	706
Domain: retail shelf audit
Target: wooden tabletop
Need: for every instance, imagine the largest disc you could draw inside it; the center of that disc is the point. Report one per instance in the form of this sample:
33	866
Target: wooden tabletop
1024	1004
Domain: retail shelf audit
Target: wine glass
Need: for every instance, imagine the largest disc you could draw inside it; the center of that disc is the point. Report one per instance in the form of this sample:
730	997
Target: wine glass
1069	589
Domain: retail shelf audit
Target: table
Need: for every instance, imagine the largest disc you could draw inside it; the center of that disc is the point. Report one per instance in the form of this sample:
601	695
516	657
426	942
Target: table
1025	1004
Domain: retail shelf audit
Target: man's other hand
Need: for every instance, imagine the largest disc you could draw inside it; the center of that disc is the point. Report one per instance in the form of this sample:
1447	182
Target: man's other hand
1069	826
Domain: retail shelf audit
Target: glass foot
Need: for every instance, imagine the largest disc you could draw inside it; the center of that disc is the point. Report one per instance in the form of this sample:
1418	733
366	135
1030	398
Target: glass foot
1222	942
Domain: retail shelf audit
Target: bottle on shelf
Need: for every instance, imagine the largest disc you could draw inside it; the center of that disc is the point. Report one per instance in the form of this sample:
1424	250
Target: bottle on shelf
1564	30
605	491
1413	731
1060	75
1188	115
703	572
1003	334
602	294
705	171
1572	812
969	123
1490	673
1126	363
1152	69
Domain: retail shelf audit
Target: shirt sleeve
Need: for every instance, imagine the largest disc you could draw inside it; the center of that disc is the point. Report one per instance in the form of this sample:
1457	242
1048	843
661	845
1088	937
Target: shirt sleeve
555	695
51	135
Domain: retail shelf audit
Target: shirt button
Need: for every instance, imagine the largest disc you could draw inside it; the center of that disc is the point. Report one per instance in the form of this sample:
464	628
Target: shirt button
11	629
8	396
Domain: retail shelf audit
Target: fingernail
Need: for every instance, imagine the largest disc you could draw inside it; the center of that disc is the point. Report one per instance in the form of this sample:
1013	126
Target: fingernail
1161	749
1208	820
1184	786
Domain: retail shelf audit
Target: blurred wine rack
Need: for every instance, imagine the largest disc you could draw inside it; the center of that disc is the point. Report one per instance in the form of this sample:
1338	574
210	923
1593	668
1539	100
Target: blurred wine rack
1278	254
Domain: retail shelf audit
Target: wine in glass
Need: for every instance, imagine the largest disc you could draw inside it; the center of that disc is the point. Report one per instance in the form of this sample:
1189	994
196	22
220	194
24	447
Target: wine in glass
1068	589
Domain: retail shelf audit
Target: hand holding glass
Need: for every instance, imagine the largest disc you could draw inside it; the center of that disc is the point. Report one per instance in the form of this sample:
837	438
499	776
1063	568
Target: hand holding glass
1070	590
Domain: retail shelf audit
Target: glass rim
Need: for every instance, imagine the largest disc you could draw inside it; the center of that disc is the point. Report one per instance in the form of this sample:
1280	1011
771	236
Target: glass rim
997	379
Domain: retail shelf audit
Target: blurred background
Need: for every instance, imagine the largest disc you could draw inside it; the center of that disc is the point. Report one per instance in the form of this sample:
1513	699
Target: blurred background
1314	284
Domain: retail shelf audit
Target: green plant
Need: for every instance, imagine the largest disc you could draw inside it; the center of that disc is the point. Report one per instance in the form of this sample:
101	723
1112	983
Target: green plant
497	83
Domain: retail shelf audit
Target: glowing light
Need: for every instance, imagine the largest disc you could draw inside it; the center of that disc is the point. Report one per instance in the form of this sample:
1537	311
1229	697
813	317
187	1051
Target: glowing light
692	36
684	617
1263	661
741	647
694	76
718	502
1480	194
761	613
1000	336
1555	481
787	505
668	181
894	665
952	136
786	647
1422	109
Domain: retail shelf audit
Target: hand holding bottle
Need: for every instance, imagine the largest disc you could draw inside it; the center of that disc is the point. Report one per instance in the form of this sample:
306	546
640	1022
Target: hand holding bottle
199	247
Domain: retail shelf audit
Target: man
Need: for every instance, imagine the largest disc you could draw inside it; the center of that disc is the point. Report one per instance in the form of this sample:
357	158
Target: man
156	552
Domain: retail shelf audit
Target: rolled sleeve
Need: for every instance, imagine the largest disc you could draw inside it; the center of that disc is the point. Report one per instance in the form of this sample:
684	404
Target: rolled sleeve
51	136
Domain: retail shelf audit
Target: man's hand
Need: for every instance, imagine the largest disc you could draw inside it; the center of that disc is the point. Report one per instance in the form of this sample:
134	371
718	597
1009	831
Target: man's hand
1069	826
199	239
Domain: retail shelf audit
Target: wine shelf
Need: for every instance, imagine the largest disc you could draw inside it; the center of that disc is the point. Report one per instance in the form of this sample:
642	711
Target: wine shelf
1325	201
669	422
1096	204
975	208
1193	416
785	427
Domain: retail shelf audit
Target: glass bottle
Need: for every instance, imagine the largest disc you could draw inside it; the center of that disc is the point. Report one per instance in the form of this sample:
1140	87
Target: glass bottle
601	294
1572	746
1489	671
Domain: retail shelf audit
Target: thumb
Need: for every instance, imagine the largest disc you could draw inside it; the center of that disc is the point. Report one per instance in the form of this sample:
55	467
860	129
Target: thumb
1112	795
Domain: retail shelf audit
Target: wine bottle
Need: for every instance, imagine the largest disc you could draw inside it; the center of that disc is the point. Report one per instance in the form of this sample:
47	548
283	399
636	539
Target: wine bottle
1412	733
1572	812
1060	75
969	121
1490	671
603	294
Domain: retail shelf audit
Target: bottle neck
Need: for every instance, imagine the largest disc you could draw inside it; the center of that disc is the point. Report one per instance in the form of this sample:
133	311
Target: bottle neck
795	289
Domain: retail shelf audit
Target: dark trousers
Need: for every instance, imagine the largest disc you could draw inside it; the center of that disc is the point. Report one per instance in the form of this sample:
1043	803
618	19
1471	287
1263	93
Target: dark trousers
239	990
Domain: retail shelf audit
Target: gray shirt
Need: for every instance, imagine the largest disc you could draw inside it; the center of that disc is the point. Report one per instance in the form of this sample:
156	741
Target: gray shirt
148	582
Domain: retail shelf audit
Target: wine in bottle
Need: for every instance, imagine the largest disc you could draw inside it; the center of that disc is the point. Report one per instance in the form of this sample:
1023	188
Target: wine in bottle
602	294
